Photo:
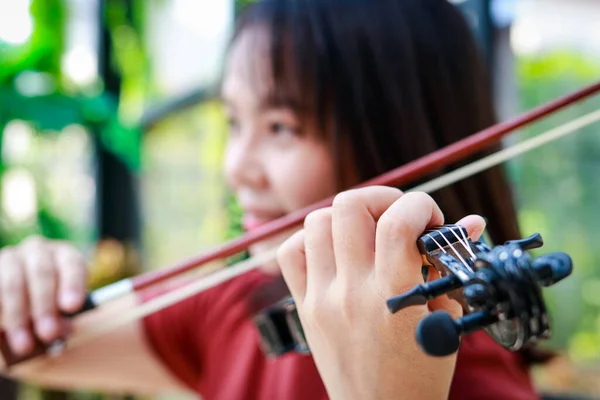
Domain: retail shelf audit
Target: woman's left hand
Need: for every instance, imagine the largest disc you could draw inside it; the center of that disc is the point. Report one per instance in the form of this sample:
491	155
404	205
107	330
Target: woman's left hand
342	267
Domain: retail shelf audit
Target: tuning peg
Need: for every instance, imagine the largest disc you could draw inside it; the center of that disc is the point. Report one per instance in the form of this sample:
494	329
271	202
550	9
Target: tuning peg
421	293
552	267
478	295
532	242
439	335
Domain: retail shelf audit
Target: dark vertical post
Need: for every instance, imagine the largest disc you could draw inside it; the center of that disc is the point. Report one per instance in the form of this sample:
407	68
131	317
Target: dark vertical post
505	79
478	15
117	210
117	206
492	32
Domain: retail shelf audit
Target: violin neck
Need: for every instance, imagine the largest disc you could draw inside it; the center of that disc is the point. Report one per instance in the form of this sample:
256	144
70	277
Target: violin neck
267	294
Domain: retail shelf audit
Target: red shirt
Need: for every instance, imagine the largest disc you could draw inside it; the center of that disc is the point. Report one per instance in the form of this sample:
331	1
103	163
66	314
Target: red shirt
211	344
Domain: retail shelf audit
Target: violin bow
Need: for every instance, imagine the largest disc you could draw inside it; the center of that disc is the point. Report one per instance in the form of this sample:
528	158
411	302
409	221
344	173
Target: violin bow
397	177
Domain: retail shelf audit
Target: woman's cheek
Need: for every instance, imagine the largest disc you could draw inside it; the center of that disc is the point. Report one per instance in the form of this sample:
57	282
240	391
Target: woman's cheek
315	179
301	176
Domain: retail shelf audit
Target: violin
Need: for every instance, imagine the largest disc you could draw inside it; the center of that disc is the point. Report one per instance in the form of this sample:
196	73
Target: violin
499	287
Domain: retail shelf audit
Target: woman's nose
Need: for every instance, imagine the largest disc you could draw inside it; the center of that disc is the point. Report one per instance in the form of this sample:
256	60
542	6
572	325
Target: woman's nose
243	164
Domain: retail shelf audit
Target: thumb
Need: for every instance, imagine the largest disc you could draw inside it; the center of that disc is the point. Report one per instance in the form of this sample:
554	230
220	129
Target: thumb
474	224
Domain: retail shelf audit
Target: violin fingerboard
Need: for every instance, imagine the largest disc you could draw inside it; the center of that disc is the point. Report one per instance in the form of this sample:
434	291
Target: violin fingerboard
443	237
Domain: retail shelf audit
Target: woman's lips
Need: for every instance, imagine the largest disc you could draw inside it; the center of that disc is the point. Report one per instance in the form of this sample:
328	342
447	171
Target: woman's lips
251	221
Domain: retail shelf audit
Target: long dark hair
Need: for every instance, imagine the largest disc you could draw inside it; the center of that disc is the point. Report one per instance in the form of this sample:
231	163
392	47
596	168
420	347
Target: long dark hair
390	81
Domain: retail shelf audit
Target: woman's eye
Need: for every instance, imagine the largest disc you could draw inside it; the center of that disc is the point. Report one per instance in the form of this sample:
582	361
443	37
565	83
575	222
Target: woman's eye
232	124
282	129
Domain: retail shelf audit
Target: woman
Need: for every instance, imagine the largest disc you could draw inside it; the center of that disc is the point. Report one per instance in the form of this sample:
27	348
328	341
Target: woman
321	94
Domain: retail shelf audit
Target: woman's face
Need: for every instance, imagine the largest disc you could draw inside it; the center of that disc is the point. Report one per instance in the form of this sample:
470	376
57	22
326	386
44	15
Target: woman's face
274	163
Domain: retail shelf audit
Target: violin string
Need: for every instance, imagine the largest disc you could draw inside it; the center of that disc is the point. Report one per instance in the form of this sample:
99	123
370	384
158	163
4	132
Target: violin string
442	247
451	246
508	153
436	242
464	244
435	184
462	232
462	260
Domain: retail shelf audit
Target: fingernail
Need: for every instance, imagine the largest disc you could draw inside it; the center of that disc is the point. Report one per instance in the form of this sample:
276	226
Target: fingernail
20	341
477	234
47	328
70	299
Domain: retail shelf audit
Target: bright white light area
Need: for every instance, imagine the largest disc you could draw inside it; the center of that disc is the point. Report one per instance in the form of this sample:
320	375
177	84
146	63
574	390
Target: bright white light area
70	191
74	148
186	40
16	141
16	24
525	38
80	64
32	83
19	199
80	58
75	139
546	25
206	18
503	12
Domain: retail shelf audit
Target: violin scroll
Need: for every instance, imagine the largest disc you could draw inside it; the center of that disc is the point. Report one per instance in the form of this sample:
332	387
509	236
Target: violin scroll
502	295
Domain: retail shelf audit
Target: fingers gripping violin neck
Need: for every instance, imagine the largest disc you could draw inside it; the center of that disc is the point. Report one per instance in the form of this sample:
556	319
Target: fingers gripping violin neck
499	289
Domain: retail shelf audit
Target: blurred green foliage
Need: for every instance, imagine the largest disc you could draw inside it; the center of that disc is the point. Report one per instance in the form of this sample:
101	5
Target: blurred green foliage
44	49
240	4
557	195
60	103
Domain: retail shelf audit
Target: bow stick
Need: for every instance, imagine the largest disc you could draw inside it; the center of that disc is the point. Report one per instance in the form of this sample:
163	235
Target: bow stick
399	176
249	264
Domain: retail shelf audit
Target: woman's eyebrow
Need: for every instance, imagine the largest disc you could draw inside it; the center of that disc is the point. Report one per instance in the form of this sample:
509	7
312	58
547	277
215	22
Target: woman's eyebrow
277	101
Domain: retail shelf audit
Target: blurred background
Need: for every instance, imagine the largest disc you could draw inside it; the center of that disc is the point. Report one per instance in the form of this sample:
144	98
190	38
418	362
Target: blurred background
111	137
